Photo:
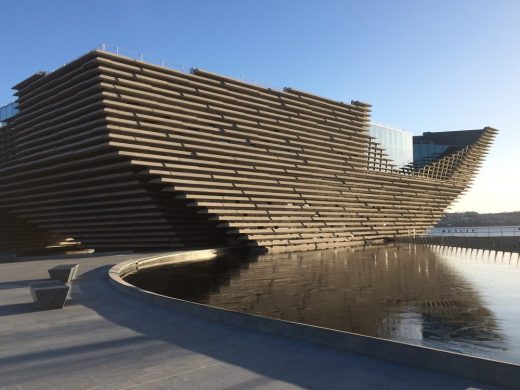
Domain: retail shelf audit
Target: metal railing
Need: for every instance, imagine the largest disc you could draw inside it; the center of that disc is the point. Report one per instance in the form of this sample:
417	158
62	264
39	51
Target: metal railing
475	231
168	64
142	57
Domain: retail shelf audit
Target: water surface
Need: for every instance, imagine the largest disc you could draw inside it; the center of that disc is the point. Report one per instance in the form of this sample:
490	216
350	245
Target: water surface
458	300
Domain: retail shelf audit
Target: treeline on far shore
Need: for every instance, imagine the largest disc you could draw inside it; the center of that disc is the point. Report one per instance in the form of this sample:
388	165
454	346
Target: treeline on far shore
472	218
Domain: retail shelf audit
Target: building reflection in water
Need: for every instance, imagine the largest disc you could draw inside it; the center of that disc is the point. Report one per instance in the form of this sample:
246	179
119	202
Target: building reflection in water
407	293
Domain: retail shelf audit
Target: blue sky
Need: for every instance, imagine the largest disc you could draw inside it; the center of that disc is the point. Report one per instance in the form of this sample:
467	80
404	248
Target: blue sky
423	65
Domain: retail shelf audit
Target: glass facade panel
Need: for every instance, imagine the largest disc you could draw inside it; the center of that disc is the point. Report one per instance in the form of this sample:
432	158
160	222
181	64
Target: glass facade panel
397	143
430	147
8	111
428	151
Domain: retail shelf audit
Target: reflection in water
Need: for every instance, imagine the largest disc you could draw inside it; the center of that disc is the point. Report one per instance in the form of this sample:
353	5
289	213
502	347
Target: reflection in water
408	293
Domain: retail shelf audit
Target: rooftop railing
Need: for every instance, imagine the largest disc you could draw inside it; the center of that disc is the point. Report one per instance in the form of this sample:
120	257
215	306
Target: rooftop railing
475	231
169	64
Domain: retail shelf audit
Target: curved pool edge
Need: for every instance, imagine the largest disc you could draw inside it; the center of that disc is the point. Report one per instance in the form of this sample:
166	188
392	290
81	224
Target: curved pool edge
469	367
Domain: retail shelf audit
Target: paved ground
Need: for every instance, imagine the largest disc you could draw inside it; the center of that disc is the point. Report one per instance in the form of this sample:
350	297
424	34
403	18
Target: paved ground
104	339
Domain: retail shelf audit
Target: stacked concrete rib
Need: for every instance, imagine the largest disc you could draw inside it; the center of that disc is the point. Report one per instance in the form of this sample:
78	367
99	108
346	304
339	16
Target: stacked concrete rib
120	153
67	181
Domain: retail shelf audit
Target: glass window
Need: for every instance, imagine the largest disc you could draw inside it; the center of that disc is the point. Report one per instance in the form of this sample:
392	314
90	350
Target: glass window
8	111
397	143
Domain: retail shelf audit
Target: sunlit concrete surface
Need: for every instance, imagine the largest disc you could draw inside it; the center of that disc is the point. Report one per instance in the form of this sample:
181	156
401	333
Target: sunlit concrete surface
104	339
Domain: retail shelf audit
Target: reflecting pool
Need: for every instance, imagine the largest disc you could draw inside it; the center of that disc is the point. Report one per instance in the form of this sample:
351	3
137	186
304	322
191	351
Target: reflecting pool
459	300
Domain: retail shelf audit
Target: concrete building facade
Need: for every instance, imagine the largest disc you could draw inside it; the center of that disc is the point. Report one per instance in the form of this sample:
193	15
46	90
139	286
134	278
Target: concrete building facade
117	153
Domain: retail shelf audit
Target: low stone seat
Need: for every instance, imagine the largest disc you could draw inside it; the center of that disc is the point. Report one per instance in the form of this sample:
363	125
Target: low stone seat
50	294
64	273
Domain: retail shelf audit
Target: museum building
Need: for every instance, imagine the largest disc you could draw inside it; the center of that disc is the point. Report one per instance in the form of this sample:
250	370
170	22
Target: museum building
108	152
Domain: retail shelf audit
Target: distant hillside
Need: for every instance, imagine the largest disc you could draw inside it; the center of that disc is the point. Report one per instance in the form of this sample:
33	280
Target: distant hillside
472	218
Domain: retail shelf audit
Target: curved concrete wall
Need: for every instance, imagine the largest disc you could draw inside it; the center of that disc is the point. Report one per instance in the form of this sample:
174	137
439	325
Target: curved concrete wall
495	372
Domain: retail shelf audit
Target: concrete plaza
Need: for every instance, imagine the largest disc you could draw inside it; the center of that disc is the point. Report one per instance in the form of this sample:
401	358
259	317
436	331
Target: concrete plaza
104	339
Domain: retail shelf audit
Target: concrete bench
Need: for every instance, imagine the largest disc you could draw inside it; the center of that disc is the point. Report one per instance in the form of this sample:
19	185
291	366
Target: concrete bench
64	273
50	294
